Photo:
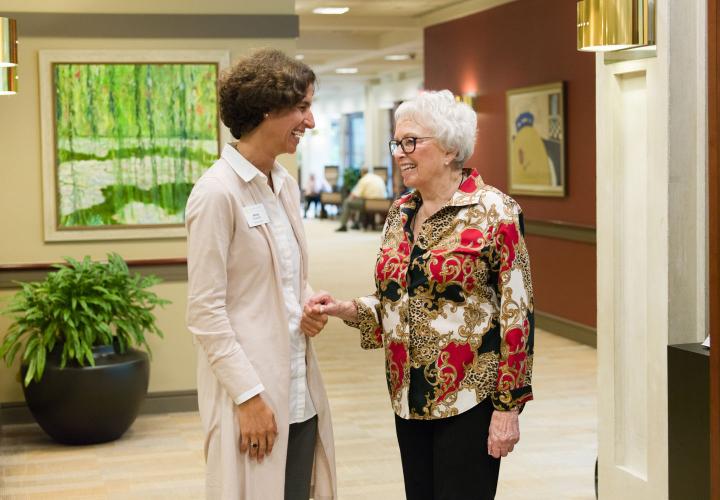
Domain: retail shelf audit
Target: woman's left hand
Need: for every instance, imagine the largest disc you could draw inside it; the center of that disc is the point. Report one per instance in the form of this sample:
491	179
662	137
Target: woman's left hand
504	433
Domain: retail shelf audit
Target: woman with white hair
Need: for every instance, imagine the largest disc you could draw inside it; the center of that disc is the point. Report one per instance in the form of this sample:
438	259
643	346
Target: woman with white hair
453	308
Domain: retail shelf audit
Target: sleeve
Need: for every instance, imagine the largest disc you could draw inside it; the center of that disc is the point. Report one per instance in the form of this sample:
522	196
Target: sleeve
517	323
210	227
368	322
360	187
369	316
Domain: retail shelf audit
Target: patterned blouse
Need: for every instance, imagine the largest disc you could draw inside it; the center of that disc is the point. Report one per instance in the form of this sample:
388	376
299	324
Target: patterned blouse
453	307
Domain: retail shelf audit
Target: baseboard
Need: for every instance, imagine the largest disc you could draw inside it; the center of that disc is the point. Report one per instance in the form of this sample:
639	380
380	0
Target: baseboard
169	402
566	328
14	413
155	403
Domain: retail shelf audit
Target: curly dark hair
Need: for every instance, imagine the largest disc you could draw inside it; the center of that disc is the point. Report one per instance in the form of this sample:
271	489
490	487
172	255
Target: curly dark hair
264	81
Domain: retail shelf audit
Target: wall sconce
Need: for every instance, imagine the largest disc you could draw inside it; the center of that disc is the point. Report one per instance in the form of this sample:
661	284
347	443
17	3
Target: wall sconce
8	56
608	25
8	80
8	42
470	99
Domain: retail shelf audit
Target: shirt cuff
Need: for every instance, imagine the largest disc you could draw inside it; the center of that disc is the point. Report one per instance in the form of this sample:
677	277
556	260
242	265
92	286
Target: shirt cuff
367	323
509	400
249	394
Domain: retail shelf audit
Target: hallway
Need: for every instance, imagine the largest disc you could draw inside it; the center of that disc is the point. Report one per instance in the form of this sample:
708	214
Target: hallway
161	456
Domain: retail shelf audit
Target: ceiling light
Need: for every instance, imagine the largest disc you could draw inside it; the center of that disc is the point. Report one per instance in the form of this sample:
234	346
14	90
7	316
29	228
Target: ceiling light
331	10
398	57
299	57
8	42
346	71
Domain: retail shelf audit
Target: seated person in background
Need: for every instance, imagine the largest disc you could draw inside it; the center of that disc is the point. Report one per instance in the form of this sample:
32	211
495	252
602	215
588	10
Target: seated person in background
369	187
316	186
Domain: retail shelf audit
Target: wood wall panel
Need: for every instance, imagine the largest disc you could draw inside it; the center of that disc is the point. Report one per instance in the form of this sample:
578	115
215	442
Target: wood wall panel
714	237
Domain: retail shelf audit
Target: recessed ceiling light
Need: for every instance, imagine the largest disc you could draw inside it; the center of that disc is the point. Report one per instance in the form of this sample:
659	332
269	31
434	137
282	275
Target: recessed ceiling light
299	57
346	71
331	10
397	57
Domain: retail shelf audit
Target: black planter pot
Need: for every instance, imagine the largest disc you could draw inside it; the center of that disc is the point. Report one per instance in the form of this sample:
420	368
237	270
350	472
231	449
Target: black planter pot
90	404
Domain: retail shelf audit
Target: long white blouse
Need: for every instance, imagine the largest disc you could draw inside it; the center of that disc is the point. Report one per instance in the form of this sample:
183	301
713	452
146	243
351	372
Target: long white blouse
301	405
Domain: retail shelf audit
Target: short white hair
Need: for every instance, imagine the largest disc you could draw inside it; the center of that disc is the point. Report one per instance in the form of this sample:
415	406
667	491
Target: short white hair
452	123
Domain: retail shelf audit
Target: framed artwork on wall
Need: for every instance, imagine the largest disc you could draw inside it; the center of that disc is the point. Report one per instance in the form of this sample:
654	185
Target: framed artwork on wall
536	140
125	136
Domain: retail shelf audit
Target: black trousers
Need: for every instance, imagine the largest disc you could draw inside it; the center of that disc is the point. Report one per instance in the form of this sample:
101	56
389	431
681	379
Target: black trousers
447	458
300	458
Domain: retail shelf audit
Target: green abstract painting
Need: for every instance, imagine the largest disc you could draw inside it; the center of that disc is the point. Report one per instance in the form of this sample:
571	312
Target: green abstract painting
131	140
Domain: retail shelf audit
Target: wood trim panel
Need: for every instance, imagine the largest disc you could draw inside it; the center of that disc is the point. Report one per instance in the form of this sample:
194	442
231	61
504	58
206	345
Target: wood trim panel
566	328
714	244
166	269
154	403
560	230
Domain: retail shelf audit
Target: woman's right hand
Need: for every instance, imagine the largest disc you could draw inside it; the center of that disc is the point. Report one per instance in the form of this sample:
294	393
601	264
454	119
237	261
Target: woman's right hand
258	429
324	303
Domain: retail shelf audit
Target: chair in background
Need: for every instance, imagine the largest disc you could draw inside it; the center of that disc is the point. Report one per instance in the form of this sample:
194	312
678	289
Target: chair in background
376	211
332	175
381	171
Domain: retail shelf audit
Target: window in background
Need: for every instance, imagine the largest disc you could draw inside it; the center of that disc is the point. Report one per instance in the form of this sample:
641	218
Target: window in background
355	140
334	142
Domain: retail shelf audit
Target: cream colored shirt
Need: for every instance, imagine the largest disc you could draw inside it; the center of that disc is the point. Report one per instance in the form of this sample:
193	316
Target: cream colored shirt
301	405
370	186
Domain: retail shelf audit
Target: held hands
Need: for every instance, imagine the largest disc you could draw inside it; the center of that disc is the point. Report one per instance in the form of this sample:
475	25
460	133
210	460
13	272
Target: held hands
258	429
319	307
313	320
324	303
504	433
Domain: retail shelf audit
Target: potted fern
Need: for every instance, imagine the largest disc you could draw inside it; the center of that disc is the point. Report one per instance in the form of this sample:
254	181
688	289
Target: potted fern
75	333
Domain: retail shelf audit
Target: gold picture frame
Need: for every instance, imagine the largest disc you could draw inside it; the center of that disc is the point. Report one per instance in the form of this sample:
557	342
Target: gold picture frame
536	140
115	167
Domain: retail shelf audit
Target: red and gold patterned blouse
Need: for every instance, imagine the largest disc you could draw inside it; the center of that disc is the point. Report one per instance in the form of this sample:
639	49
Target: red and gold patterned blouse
453	307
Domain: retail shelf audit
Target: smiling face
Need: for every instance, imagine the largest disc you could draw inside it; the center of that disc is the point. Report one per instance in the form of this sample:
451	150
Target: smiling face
421	168
284	128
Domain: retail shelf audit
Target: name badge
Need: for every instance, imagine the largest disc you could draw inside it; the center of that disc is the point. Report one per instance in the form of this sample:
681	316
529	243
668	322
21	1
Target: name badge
256	215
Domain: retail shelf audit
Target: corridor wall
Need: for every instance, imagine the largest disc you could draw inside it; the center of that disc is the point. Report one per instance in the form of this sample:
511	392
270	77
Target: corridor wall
21	197
519	44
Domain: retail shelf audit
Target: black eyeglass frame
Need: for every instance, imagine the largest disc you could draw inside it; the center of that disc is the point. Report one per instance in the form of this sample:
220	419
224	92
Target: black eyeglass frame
393	144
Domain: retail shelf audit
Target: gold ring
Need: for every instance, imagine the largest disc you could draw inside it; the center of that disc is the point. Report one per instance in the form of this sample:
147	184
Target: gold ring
254	445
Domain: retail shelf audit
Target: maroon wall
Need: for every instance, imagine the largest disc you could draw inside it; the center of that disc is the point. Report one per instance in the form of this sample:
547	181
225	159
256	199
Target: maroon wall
523	43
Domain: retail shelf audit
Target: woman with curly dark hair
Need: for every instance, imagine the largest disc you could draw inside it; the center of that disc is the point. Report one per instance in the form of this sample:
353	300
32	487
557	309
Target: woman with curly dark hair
262	402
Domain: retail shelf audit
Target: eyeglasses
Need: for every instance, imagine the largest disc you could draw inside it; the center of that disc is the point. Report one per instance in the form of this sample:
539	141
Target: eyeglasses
407	144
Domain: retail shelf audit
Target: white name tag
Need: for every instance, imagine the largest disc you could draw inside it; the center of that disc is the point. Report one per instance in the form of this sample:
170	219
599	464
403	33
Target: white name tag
256	215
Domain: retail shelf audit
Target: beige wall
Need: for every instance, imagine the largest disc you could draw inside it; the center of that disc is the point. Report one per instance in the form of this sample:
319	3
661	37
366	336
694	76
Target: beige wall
21	202
652	245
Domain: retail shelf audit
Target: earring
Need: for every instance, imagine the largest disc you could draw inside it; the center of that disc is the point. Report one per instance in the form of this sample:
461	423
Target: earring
266	115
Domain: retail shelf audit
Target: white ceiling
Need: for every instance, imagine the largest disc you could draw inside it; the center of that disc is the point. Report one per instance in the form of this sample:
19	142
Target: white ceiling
371	30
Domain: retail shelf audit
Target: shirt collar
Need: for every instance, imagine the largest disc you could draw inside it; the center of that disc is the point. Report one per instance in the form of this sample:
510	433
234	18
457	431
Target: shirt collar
468	193
248	172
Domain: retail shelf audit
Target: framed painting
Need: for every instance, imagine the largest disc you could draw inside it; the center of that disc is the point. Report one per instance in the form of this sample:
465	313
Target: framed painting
536	140
125	136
